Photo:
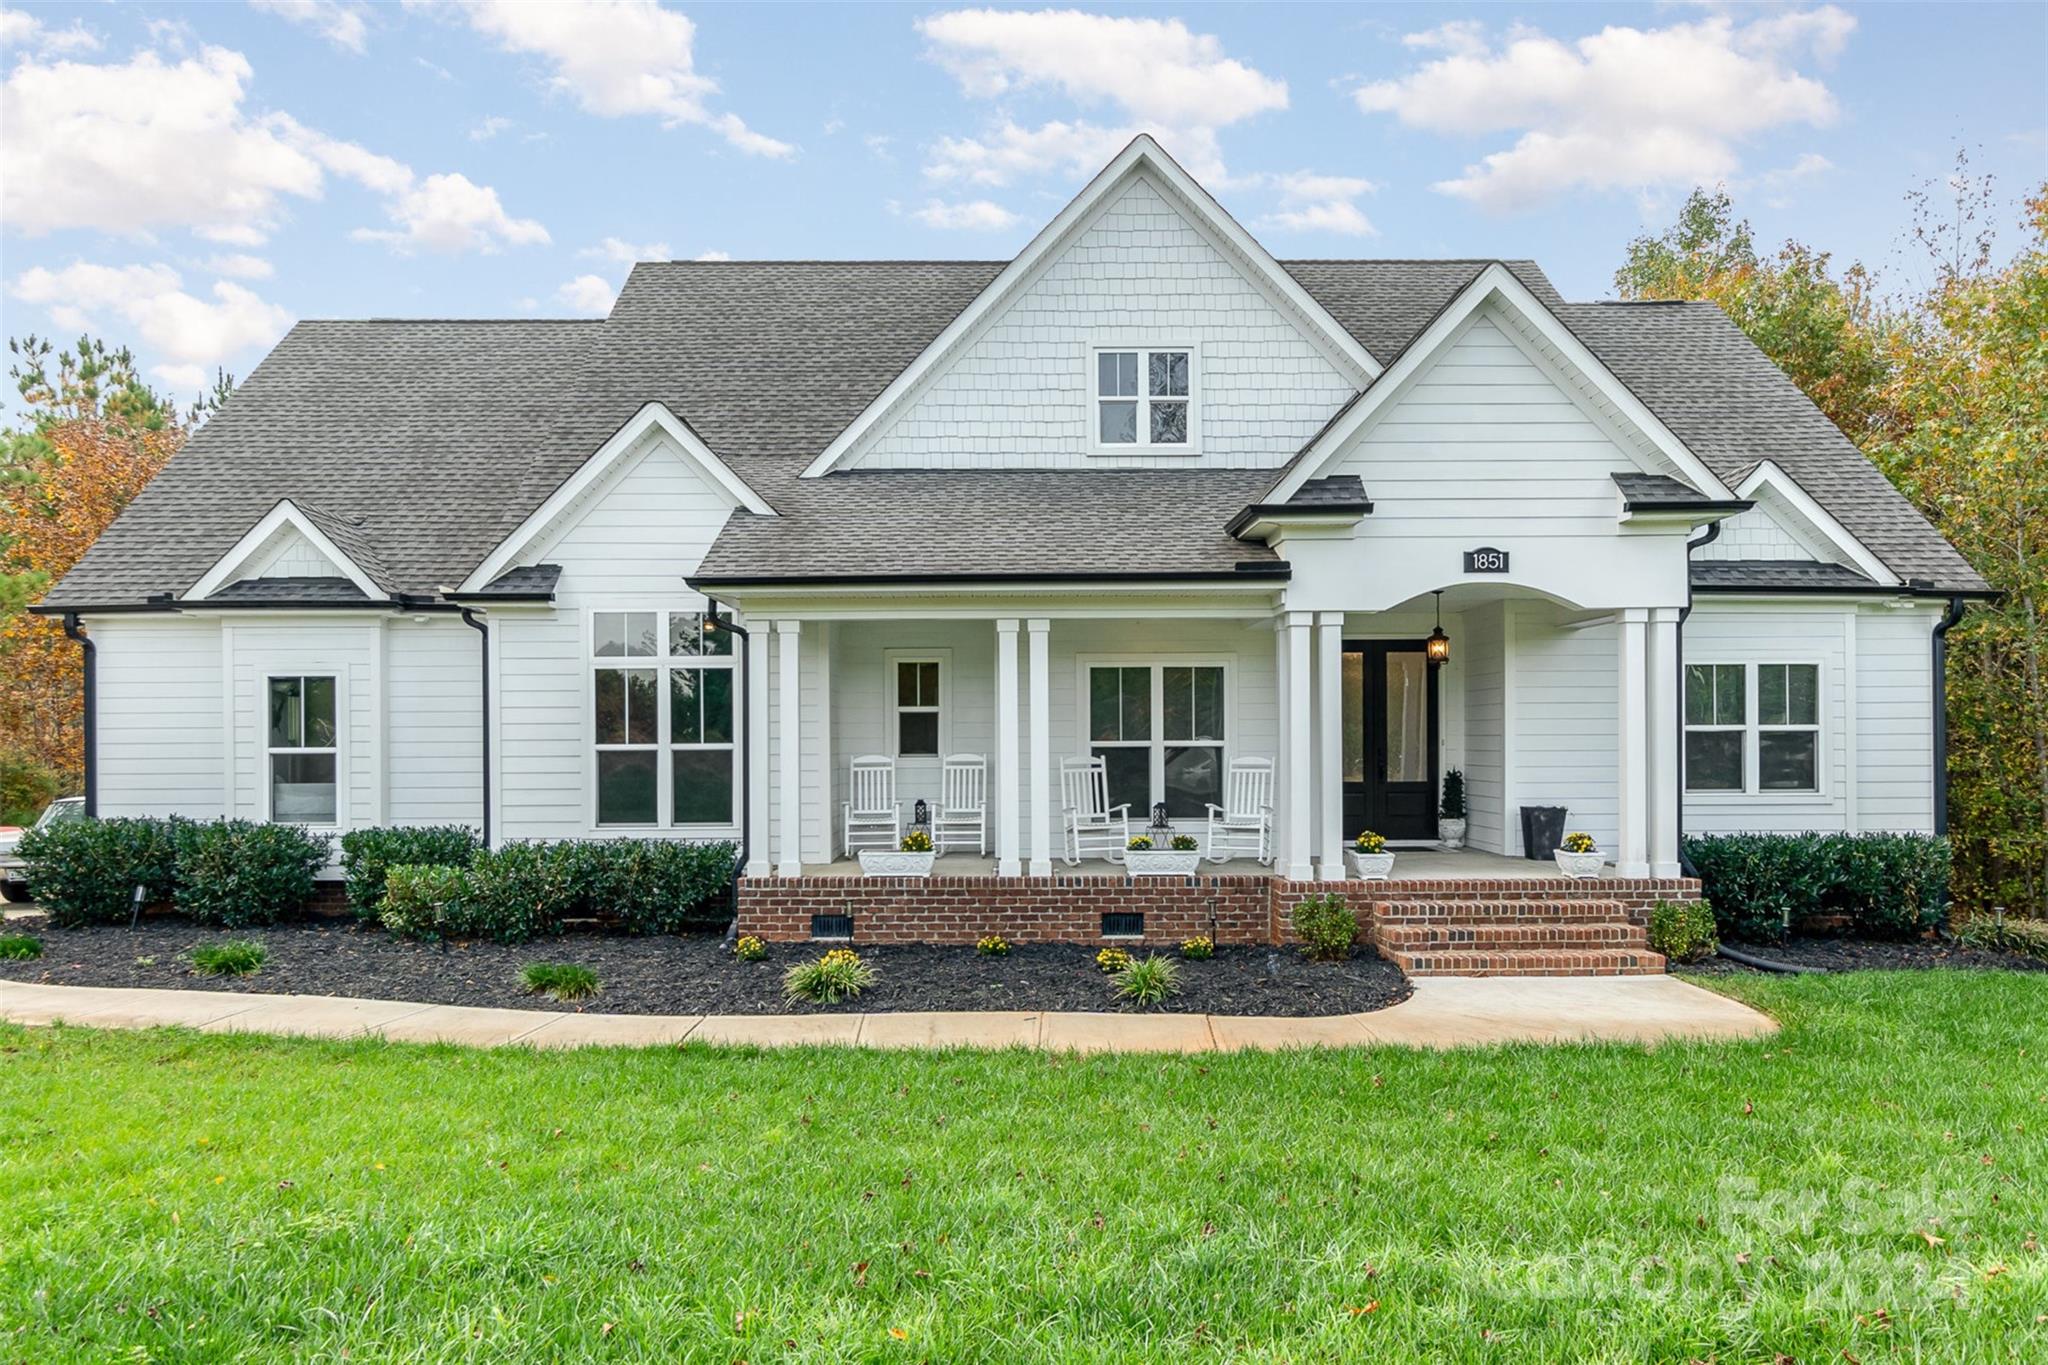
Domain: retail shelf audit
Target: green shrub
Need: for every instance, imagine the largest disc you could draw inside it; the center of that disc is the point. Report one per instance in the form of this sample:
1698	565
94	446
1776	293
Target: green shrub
1452	806
430	902
230	957
1200	948
2025	936
1683	930
86	871
649	886
26	786
516	893
1148	981
236	872
367	854
561	980
750	949
1325	926
20	947
838	975
1888	885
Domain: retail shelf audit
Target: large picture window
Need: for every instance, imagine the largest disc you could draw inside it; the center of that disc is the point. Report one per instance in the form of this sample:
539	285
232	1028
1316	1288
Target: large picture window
662	693
1160	731
1752	727
302	750
1144	399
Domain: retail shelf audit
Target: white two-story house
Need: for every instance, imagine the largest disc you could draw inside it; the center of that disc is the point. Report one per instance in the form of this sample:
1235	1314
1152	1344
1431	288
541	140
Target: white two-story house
1143	493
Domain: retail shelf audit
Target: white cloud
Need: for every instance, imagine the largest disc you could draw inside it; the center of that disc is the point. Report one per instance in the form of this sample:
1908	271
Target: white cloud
619	58
1154	75
1311	202
621	252
341	25
130	147
1623	108
488	127
191	333
712	256
588	294
976	215
19	29
242	267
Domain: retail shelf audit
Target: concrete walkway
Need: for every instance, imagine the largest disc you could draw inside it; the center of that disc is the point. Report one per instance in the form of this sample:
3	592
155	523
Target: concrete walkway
1445	1011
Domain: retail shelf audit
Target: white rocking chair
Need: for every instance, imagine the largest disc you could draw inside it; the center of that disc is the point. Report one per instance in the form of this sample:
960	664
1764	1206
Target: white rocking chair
1092	824
872	818
1244	823
962	816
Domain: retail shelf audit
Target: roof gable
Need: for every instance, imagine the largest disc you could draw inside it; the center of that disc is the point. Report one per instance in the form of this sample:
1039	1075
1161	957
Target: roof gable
1813	527
299	541
1141	169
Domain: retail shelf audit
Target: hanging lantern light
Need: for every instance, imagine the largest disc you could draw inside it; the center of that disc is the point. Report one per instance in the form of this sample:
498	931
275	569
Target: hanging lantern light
1439	644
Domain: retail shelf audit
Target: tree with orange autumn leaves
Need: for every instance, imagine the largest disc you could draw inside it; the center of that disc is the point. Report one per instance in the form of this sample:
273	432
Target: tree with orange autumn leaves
92	434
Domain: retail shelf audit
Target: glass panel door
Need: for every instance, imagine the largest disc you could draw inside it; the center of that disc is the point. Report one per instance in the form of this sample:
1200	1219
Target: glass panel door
1406	708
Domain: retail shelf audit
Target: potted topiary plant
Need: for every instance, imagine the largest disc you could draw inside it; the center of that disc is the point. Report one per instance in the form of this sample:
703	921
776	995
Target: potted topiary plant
912	858
1450	811
1578	856
1144	859
1370	859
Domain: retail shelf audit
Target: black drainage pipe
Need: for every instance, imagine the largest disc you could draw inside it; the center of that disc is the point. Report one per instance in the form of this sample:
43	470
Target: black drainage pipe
1956	607
1713	534
1765	964
743	665
469	618
92	728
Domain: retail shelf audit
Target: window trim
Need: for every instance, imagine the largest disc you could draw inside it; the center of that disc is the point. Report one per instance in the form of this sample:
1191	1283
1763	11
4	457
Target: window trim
892	659
1143	448
1158	664
664	747
266	782
1751	730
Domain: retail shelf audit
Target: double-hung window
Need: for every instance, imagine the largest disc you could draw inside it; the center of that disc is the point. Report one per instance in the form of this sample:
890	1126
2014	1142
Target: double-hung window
662	688
301	749
1144	400
1159	729
917	707
1752	727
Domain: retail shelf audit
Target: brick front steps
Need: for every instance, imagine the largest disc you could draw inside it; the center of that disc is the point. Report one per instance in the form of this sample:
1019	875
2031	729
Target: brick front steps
1472	937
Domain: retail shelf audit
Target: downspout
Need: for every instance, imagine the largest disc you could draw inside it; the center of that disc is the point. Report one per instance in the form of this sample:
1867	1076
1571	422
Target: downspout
744	753
1956	607
469	618
1685	866
92	773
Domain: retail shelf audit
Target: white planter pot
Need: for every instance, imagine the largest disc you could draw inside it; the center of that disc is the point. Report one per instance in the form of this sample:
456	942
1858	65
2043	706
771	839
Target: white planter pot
883	862
1450	833
1161	862
1371	867
1580	865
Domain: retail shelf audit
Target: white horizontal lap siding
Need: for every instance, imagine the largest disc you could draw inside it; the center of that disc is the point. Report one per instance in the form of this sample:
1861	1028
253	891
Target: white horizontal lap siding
1485	442
1479	651
1021	395
1566	731
1895	718
434	723
1765	632
627	547
159	716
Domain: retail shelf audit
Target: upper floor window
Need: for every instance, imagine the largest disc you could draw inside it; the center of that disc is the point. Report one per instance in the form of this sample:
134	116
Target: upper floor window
1144	400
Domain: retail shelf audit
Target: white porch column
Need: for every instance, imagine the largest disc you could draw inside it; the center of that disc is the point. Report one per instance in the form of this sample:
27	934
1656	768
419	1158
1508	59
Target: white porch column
1006	792
1297	835
1632	818
1041	747
789	725
760	860
1329	744
1663	725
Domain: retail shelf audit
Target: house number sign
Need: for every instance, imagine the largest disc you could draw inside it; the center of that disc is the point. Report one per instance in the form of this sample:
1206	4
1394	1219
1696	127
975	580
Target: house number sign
1486	560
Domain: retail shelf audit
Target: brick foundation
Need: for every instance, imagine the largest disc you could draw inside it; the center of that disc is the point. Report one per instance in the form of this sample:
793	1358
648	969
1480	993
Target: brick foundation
1230	909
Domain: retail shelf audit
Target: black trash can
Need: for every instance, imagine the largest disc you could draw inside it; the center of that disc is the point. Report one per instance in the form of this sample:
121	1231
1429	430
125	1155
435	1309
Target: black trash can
1542	831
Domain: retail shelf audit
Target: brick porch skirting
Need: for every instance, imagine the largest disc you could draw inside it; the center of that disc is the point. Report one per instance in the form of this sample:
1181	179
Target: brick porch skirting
1229	909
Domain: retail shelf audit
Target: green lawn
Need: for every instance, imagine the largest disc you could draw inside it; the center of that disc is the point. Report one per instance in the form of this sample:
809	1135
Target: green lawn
1870	1182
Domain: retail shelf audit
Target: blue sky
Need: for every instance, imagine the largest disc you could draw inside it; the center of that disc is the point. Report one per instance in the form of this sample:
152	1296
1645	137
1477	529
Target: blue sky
191	179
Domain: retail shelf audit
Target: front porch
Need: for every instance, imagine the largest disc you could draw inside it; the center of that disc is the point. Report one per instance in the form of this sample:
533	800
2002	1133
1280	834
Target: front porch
1410	864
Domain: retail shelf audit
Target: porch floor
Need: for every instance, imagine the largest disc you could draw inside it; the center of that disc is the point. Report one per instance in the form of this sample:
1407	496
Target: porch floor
1410	864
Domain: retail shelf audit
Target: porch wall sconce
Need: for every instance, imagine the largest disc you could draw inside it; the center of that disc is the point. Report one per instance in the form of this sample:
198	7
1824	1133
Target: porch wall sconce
1439	644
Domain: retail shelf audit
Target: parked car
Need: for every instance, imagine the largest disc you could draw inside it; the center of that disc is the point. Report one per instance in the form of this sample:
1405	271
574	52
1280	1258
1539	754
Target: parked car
13	875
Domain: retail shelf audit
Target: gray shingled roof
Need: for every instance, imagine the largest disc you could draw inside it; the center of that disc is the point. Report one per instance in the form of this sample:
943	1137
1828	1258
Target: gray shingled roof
1341	490
310	591
429	441
1776	575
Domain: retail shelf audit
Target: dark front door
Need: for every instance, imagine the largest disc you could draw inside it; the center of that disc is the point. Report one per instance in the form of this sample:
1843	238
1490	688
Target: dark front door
1390	739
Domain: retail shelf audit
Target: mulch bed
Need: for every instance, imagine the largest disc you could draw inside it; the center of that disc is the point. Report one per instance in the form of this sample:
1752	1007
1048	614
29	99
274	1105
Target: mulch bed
689	974
1867	955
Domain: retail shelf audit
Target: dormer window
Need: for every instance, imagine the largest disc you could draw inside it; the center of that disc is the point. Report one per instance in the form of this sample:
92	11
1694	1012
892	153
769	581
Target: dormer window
1144	400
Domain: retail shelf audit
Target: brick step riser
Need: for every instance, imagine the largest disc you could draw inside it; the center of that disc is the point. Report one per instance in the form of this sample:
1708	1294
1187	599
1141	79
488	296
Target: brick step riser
1528	962
1581	912
1411	936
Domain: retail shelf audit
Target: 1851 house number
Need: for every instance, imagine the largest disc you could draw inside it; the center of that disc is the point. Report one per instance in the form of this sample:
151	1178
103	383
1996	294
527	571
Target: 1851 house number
1486	560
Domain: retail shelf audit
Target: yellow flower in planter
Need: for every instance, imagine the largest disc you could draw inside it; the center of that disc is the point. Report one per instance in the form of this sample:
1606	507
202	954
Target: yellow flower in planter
1578	842
917	841
1139	844
1369	842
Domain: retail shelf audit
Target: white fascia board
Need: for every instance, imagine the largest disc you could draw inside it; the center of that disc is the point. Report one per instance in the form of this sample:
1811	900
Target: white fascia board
1496	283
284	514
654	417
1769	475
1209	217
